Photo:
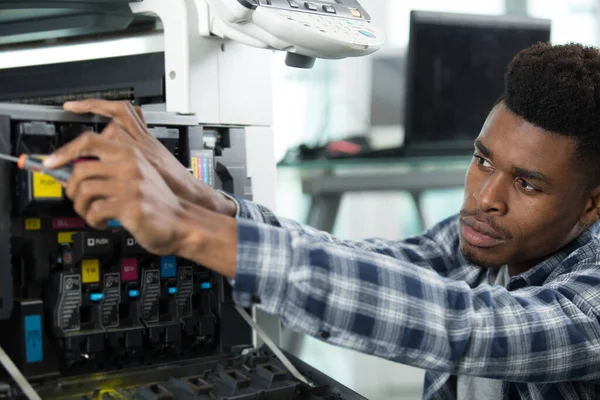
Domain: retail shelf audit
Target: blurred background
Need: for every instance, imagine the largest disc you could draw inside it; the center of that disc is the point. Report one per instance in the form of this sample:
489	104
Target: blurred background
378	146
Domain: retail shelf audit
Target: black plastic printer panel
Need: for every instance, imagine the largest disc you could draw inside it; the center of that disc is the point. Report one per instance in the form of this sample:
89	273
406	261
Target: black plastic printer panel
6	295
139	78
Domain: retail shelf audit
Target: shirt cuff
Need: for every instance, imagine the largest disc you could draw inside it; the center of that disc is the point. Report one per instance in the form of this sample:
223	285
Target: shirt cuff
235	200
264	260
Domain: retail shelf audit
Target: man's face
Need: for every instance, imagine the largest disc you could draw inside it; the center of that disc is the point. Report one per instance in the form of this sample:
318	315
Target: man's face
524	197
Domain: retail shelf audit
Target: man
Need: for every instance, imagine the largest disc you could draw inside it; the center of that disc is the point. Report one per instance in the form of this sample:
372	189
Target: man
501	301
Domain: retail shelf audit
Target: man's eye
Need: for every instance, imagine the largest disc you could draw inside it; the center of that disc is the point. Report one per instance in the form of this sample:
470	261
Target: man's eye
525	185
482	161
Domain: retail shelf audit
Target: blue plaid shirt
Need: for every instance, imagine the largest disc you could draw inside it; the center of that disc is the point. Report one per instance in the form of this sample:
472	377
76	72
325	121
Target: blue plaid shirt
420	303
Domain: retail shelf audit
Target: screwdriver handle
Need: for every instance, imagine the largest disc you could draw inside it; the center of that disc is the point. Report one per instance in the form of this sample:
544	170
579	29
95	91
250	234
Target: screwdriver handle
35	164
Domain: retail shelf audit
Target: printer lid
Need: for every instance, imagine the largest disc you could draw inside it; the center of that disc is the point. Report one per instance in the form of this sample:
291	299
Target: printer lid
24	21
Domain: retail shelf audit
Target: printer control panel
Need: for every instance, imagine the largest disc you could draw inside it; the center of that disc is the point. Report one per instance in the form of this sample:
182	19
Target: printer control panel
329	29
354	31
340	8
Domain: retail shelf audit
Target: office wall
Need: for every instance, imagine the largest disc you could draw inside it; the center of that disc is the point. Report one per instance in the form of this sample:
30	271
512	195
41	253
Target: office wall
333	100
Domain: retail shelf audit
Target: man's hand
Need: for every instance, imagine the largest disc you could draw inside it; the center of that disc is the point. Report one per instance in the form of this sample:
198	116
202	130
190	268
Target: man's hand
122	185
129	127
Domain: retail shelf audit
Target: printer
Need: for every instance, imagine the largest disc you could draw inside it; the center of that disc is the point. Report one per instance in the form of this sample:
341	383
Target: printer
88	314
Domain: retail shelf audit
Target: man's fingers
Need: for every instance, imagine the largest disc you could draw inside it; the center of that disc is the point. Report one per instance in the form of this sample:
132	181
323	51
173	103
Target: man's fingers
103	210
140	114
91	170
116	133
86	145
91	190
120	112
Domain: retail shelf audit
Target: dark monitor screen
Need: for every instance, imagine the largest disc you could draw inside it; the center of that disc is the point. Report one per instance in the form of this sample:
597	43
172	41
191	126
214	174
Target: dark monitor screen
455	70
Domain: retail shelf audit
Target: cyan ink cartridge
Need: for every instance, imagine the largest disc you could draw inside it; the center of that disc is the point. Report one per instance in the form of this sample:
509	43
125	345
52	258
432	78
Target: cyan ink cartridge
25	341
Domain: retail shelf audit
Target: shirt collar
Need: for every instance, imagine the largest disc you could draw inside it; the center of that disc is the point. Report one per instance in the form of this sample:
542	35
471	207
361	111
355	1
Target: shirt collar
537	275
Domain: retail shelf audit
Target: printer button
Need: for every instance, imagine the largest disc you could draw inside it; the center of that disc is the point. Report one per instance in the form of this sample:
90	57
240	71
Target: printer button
310	6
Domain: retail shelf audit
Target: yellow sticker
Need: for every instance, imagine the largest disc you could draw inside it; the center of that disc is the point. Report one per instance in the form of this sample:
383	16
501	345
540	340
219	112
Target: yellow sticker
46	187
195	166
65	237
33	224
90	271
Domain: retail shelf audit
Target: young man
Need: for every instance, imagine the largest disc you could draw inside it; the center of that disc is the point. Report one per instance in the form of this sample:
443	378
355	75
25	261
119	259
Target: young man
500	301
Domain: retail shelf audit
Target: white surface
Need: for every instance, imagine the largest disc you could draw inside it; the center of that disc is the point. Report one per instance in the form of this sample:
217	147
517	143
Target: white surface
30	55
260	153
245	88
180	33
572	20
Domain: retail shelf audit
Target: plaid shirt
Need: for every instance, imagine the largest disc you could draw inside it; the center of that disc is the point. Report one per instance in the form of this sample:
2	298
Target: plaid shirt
420	303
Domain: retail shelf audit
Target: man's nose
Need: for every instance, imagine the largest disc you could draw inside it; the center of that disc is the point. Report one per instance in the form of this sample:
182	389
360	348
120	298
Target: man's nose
491	197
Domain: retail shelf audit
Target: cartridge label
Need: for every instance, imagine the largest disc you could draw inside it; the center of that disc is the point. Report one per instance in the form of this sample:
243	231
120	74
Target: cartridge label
112	298
33	338
168	267
185	286
65	237
129	269
46	187
202	165
69	303
150	295
90	270
68	223
33	224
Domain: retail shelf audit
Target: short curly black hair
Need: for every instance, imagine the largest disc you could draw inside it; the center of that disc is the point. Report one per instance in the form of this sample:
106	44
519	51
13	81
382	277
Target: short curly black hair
557	88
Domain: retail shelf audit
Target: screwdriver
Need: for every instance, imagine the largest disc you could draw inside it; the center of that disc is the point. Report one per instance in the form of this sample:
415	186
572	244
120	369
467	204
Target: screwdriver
35	164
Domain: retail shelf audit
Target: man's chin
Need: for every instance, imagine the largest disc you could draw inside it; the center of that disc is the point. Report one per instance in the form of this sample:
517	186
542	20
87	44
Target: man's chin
480	257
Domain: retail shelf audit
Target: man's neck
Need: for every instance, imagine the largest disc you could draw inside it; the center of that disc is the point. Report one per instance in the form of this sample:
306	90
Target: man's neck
519	268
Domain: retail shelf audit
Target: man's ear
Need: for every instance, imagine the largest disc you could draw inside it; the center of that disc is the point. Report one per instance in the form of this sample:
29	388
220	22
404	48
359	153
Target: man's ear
591	212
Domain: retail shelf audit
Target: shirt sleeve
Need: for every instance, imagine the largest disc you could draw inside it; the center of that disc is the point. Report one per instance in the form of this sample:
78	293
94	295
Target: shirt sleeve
235	200
432	250
383	306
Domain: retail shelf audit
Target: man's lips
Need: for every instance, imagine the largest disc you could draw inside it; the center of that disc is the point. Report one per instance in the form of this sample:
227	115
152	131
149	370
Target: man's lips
479	234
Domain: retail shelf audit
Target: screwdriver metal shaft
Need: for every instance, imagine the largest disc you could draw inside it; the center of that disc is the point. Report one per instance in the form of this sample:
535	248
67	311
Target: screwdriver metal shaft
34	164
9	158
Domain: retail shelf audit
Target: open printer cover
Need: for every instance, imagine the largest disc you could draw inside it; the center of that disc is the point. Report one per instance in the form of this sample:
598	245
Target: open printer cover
89	314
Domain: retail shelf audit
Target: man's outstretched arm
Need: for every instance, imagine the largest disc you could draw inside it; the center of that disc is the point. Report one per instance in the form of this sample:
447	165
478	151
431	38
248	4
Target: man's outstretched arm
432	250
383	306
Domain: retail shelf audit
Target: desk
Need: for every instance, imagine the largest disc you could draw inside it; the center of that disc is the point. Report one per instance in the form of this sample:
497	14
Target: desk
327	181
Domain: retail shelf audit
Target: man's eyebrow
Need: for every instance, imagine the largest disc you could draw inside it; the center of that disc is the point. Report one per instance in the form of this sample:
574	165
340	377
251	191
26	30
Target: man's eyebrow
482	149
533	175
